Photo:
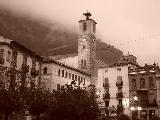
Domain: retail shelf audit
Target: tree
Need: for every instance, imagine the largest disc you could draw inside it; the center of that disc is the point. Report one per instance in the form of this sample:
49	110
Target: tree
10	101
38	101
74	103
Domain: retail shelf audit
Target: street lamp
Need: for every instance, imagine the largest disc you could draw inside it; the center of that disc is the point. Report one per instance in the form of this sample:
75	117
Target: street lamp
135	98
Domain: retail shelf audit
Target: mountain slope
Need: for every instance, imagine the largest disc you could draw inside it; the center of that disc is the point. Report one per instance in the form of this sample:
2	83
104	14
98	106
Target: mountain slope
45	40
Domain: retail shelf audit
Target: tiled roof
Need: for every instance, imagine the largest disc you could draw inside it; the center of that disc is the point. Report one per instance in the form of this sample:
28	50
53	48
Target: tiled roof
48	60
57	57
13	44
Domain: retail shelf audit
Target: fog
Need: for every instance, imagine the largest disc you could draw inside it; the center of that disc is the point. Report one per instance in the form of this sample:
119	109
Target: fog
130	25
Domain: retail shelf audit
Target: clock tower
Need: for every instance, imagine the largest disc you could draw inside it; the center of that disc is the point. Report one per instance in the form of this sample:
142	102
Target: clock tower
87	44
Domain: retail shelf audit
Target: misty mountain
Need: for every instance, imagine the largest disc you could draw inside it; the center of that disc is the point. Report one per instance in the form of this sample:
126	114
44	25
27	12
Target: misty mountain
48	39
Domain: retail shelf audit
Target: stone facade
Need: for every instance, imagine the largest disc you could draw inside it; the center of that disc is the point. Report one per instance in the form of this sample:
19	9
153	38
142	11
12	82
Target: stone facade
87	46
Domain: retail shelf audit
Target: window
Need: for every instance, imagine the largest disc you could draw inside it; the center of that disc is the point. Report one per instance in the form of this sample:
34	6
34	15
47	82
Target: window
118	69
134	83
84	81
58	86
142	83
69	75
83	46
45	70
33	63
66	74
1	56
72	76
81	63
75	77
119	79
14	59
79	78
25	59
8	59
105	81
120	101
84	63
106	71
94	27
62	73
59	72
151	84
84	26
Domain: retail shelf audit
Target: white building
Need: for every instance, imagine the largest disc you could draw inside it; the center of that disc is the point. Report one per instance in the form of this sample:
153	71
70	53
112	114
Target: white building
14	55
55	75
113	86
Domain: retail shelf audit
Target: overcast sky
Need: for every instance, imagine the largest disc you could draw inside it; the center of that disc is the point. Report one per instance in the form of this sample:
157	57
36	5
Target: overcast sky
130	25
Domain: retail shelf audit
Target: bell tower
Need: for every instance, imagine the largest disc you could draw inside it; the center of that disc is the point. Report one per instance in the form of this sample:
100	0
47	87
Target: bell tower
87	44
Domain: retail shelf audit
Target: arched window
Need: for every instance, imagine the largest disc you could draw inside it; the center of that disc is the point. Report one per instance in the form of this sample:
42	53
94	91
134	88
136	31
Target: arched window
84	26
134	83
142	83
151	84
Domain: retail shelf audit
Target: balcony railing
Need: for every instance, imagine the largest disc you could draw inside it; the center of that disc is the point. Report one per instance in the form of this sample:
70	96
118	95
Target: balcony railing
119	95
119	84
106	96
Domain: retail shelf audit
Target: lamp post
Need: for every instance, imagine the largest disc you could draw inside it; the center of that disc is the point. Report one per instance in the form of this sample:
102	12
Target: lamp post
135	108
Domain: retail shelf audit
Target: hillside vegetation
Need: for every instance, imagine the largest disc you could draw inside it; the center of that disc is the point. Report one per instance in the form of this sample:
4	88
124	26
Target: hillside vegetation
44	40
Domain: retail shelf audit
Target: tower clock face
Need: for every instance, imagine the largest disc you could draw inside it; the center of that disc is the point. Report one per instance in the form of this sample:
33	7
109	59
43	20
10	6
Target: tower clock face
84	39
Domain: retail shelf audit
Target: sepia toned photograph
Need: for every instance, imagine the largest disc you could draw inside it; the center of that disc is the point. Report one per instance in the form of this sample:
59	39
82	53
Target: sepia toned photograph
79	60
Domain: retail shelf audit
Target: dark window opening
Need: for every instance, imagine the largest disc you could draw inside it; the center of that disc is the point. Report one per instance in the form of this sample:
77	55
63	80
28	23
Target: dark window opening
45	70
142	83
94	27
2	56
134	83
58	86
151	84
59	72
120	101
69	75
75	77
72	76
24	59
84	26
66	74
62	73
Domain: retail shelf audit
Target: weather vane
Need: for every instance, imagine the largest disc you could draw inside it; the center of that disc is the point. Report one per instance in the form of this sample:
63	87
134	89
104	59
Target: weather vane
87	14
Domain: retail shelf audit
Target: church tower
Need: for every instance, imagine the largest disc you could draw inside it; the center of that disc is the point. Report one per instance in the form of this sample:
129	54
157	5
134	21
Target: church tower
87	44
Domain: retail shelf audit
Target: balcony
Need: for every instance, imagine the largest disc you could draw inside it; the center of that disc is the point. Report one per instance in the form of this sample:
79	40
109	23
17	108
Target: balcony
106	96
34	72
119	84
106	85
119	95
